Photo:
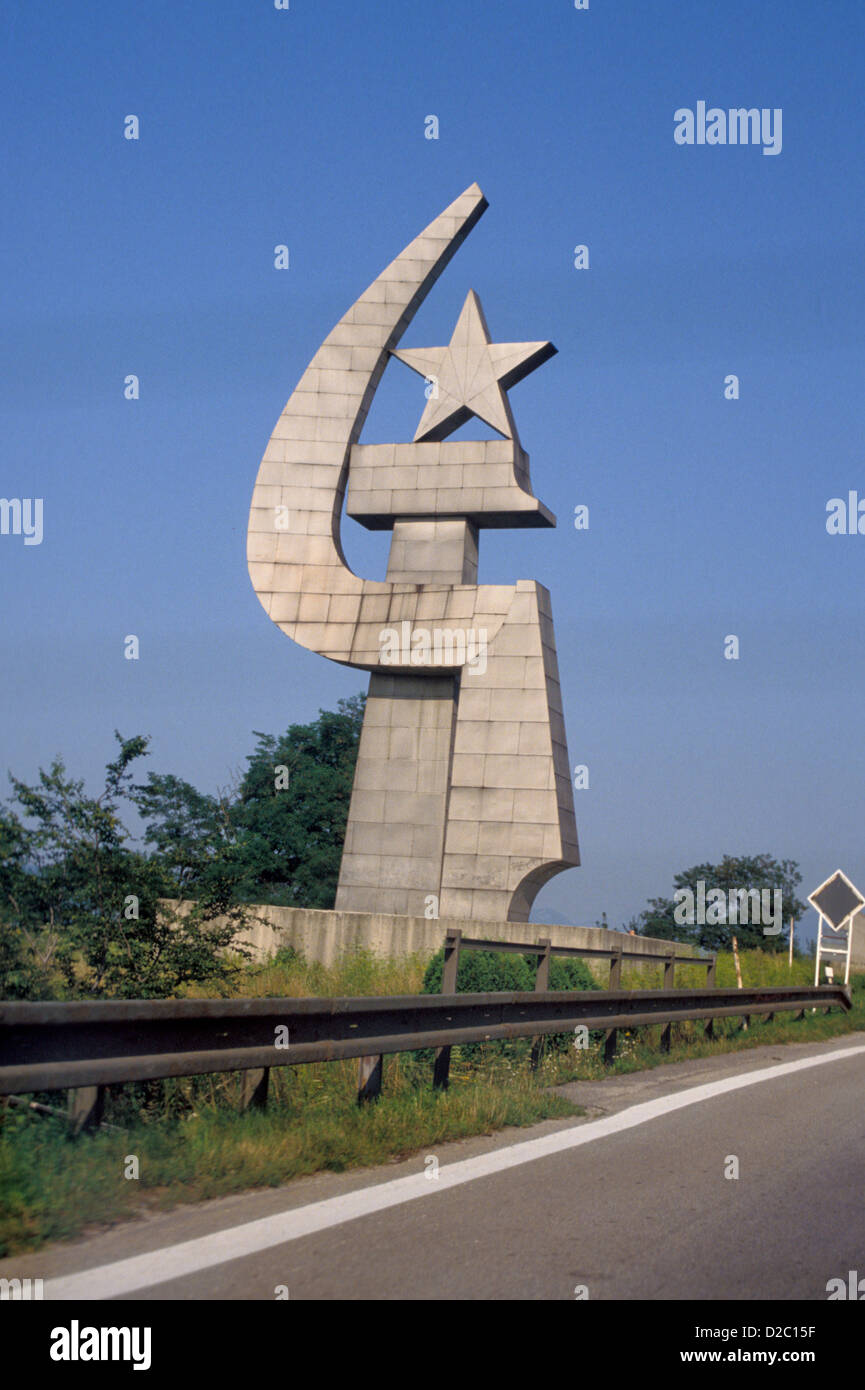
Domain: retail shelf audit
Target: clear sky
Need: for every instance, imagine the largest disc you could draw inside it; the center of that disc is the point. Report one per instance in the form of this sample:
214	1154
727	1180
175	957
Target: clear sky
707	516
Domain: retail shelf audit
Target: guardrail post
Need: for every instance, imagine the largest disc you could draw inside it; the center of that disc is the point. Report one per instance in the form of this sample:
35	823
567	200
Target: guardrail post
369	1073
442	1064
542	978
253	1088
86	1104
370	1069
711	983
669	980
612	1036
542	982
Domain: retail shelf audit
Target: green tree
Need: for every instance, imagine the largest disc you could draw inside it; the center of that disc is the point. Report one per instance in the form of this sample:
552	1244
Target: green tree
291	836
278	836
85	912
671	918
80	906
27	941
191	833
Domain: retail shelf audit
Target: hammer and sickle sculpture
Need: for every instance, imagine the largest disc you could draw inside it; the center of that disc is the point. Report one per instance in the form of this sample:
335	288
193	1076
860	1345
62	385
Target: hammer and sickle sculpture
462	794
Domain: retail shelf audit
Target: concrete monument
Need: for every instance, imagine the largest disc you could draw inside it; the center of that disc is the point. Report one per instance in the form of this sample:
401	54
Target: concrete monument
462	803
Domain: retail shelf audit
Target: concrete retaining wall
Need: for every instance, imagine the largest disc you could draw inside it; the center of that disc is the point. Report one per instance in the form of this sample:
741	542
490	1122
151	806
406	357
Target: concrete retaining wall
324	936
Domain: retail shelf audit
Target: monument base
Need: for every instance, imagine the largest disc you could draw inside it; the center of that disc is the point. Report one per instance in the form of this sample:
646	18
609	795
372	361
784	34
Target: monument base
324	935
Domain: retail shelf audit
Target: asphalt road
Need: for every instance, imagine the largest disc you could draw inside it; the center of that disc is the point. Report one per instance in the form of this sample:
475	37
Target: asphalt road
643	1212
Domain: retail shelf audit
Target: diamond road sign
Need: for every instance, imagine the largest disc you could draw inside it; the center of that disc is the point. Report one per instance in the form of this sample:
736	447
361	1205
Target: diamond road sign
836	899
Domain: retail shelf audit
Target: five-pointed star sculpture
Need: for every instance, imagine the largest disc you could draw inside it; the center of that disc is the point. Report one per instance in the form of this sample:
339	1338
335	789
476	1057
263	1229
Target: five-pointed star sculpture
471	375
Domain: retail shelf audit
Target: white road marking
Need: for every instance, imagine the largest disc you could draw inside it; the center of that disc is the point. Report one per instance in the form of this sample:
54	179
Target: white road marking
177	1261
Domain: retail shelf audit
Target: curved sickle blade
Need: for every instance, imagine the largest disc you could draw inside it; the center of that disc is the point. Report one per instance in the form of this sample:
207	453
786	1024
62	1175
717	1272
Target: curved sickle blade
295	558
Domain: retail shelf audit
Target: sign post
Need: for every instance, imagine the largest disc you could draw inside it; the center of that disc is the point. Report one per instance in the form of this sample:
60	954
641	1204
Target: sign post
837	901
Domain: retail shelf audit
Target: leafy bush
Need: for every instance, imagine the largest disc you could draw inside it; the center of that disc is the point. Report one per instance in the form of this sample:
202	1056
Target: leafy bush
482	972
486	972
569	972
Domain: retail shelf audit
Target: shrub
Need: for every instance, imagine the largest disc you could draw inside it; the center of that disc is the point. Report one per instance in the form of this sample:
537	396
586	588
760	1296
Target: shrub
485	972
482	972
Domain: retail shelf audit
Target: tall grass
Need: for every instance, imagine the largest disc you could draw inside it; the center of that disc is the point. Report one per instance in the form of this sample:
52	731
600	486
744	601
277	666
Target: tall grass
759	968
289	975
52	1187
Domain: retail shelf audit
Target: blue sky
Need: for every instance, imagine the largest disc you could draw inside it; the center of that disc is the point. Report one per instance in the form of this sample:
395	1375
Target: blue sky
707	516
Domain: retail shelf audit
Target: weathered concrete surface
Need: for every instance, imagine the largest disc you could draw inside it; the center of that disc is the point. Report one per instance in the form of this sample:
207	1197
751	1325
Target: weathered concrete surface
324	936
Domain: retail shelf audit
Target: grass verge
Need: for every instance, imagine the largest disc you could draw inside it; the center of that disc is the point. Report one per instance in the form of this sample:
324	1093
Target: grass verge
191	1143
52	1187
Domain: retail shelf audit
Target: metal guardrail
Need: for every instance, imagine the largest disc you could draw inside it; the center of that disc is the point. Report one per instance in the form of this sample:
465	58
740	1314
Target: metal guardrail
87	1046
544	947
617	952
